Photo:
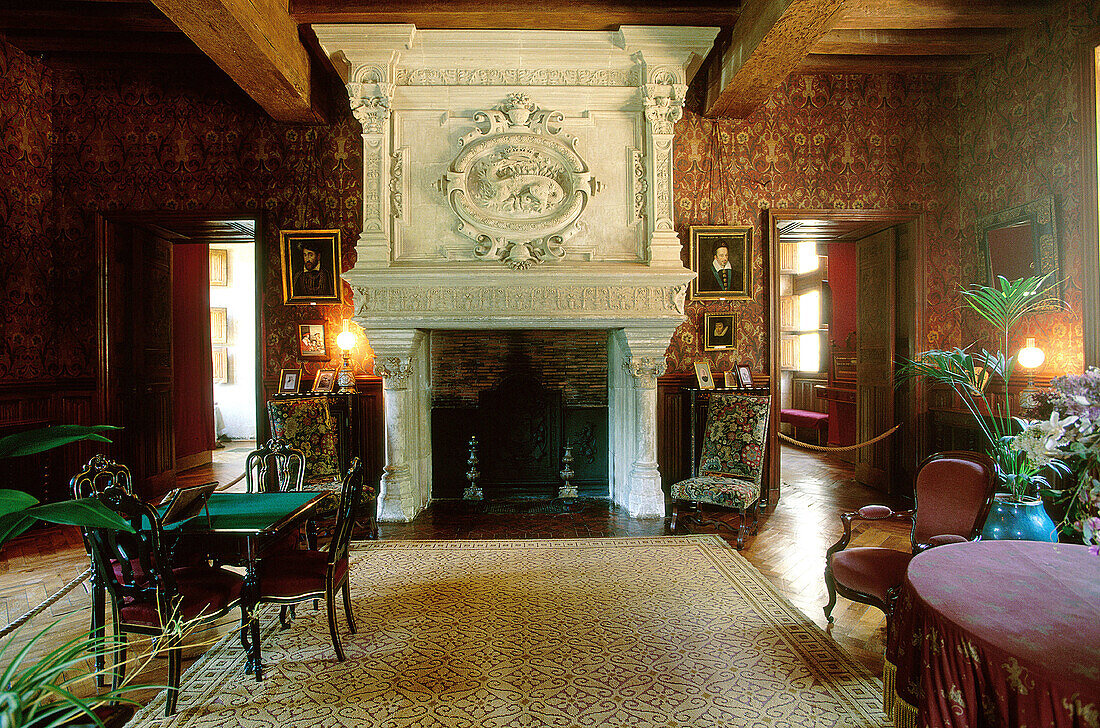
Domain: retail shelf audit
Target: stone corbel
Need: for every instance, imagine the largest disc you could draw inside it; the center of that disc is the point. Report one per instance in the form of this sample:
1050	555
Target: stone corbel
663	101
394	371
370	103
645	370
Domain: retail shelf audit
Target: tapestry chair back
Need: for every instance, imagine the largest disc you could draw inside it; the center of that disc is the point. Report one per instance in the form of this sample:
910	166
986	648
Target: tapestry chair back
308	425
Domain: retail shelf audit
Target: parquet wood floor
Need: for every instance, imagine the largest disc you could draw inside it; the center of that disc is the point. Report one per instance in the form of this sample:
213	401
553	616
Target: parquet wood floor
789	549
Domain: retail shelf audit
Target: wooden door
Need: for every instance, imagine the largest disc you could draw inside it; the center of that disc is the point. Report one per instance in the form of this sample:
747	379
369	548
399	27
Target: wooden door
138	367
875	269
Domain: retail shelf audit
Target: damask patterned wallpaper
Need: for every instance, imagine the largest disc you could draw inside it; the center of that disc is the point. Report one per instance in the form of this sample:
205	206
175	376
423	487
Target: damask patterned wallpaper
1021	141
182	141
28	348
839	141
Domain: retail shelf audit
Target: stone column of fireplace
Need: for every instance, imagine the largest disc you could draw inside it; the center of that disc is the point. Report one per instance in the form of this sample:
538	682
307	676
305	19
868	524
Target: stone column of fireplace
400	359
636	357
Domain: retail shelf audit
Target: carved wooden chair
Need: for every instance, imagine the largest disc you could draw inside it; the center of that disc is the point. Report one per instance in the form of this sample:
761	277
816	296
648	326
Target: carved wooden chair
288	576
731	465
953	492
276	466
149	596
97	476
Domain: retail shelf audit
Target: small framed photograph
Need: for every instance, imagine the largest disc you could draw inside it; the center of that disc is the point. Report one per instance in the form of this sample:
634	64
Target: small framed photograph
325	381
311	341
718	331
703	375
729	378
721	256
744	376
289	380
311	266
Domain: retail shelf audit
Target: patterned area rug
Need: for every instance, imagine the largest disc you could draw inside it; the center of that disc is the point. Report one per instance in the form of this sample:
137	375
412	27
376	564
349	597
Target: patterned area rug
640	632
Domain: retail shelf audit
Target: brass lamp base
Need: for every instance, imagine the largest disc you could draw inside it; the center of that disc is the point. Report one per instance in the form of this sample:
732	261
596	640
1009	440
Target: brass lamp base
345	379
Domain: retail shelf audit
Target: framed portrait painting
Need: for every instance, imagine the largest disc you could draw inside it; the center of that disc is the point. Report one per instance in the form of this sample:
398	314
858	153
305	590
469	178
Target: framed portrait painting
311	266
722	258
718	331
311	341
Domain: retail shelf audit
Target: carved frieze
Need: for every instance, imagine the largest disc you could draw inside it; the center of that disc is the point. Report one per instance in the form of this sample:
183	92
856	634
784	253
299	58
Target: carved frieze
607	77
518	184
533	300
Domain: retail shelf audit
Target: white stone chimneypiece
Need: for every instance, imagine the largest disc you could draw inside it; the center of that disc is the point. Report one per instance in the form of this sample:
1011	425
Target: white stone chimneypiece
518	180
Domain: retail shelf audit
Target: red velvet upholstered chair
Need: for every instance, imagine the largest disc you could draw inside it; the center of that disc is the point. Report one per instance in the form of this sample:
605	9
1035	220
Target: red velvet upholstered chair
149	598
953	492
289	576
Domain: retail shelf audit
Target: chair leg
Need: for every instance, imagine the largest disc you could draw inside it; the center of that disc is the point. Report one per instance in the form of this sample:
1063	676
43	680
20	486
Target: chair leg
99	612
347	605
330	598
282	616
830	584
254	627
741	529
675	515
174	664
118	669
755	517
246	645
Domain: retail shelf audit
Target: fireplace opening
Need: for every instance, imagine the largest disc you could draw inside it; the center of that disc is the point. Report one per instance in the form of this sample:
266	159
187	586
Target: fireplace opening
526	395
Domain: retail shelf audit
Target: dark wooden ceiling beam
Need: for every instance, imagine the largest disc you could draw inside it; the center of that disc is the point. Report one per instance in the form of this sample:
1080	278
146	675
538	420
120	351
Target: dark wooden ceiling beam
826	63
257	46
90	18
518	14
912	42
916	14
769	38
155	44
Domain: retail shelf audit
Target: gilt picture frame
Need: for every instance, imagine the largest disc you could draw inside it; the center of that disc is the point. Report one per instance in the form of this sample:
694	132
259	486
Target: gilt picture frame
311	266
721	256
703	375
719	332
312	341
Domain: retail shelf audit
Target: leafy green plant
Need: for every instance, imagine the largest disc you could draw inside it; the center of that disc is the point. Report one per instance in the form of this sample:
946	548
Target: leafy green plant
967	373
38	693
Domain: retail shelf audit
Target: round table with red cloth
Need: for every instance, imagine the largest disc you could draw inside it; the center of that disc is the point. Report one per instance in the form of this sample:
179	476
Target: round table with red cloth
999	634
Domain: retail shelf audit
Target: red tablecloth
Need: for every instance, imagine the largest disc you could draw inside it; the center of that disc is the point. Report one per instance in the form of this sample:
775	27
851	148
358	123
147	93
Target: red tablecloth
1003	634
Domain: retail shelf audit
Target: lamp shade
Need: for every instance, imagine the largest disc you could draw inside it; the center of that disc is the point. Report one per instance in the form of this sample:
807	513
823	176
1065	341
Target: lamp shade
346	340
1030	356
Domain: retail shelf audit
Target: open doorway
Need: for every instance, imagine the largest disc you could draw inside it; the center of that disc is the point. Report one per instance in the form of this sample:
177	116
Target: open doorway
233	348
163	345
844	309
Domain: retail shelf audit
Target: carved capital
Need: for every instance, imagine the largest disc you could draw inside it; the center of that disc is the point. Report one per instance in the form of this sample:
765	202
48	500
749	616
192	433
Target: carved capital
370	104
394	371
645	370
664	105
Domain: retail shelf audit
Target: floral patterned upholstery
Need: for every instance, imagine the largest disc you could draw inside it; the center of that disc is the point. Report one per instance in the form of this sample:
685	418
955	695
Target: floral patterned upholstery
732	461
307	424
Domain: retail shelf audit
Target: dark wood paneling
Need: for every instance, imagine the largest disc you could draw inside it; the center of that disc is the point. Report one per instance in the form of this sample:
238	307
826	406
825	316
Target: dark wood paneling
29	406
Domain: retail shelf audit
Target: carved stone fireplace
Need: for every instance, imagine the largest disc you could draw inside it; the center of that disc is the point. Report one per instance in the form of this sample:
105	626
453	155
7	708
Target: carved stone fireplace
518	180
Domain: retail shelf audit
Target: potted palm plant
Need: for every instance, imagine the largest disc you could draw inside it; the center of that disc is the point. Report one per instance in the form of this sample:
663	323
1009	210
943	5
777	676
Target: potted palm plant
1018	510
39	692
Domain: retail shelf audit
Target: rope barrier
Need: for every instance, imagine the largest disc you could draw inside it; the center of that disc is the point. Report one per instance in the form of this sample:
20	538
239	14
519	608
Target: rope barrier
844	448
53	598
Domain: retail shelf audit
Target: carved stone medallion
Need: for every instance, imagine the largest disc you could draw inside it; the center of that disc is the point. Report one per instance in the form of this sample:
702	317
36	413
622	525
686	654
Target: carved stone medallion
518	184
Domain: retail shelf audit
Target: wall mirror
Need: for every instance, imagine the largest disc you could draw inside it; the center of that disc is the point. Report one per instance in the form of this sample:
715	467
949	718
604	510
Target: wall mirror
1021	241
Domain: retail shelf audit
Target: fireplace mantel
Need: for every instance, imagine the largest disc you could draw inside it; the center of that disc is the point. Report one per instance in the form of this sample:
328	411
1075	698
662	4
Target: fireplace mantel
519	180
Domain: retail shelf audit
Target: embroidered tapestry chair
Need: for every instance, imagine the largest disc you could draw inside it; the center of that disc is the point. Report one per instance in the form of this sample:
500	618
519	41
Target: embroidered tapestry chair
151	598
731	465
953	493
290	576
277	466
97	476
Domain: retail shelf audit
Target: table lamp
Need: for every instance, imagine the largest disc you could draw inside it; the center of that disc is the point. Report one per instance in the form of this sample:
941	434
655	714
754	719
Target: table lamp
1030	357
345	380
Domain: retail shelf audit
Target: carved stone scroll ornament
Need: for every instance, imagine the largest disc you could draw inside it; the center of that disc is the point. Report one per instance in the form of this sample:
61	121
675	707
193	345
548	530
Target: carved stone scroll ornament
645	370
394	372
518	184
664	105
370	104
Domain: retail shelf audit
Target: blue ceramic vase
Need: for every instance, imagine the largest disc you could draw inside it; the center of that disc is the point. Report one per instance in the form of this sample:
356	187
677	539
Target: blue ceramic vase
1018	519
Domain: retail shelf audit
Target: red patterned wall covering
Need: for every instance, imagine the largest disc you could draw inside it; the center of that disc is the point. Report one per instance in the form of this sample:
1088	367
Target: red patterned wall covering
1021	141
823	141
187	140
193	141
34	343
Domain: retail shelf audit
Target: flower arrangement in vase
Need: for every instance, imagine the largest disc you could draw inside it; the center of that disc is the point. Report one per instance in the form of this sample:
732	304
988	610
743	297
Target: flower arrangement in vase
969	374
1070	434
